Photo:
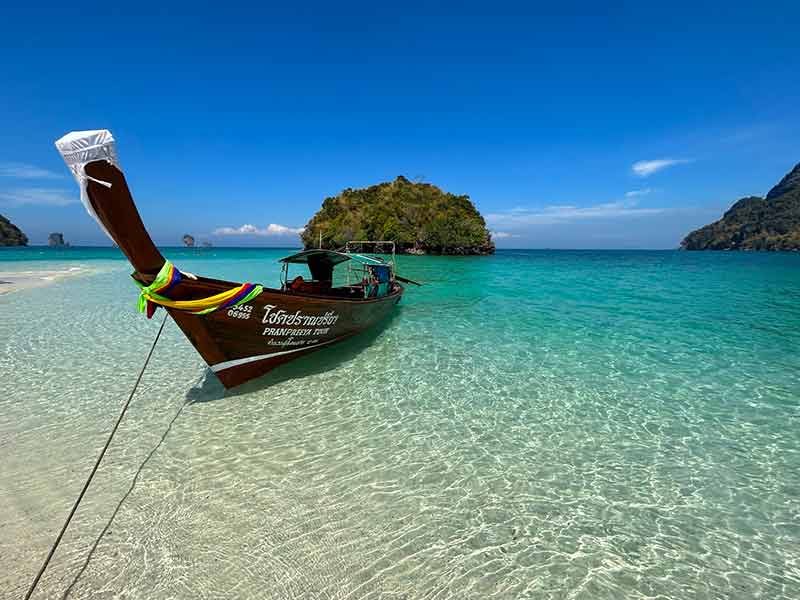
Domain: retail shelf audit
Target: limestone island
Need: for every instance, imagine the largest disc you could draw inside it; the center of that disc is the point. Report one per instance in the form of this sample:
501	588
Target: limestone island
56	240
419	217
753	223
10	234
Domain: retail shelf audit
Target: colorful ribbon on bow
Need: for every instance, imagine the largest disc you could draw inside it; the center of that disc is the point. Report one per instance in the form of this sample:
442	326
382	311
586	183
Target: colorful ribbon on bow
169	276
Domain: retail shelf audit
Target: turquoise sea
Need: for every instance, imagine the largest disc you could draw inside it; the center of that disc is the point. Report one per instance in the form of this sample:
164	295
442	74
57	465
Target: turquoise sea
535	424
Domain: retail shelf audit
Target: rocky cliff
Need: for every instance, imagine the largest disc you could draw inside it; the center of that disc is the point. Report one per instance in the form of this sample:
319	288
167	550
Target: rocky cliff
754	223
56	240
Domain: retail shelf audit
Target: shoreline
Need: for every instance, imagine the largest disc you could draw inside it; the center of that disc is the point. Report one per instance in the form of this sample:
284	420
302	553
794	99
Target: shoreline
15	281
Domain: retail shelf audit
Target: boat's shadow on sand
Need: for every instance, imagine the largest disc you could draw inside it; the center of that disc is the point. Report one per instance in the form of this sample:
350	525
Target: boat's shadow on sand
320	361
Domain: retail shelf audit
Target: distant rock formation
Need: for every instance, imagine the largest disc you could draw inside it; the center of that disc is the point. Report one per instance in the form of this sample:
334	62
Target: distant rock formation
10	234
419	217
56	240
188	240
753	223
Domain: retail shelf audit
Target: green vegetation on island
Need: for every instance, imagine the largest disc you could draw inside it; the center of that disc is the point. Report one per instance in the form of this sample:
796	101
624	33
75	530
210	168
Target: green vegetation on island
419	217
10	234
753	223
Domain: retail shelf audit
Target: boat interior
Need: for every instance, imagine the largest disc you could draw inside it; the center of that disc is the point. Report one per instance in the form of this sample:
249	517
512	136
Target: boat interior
365	277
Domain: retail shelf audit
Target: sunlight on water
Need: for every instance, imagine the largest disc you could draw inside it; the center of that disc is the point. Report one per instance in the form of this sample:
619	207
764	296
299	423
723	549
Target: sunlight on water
529	425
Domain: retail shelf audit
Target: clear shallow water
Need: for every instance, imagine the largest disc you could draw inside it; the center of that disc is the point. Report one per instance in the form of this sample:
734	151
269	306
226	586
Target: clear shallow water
530	425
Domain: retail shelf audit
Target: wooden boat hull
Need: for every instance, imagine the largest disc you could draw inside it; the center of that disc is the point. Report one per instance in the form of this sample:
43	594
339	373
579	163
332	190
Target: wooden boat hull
274	328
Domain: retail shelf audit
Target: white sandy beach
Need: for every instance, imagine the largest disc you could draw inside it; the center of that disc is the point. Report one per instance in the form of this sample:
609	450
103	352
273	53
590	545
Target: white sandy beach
13	281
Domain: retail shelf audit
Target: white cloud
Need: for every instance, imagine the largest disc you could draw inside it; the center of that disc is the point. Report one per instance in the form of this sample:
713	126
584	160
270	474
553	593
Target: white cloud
552	215
638	193
645	168
23	171
273	229
502	235
40	196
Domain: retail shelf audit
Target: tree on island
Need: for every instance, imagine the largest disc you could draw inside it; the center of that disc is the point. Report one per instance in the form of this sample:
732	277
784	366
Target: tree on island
419	217
188	240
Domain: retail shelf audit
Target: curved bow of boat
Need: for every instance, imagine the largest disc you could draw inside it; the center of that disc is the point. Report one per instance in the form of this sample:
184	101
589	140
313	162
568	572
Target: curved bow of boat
92	158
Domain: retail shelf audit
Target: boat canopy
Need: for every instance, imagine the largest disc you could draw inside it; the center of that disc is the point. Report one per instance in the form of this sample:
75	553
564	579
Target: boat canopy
321	262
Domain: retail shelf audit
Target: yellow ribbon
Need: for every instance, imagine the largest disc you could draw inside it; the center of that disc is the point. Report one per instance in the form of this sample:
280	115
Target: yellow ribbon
203	305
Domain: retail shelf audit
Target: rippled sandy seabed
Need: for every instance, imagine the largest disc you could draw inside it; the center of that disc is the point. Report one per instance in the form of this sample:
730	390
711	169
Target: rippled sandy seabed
530	425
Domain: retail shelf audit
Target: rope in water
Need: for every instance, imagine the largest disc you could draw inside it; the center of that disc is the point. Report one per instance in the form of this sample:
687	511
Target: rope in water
96	465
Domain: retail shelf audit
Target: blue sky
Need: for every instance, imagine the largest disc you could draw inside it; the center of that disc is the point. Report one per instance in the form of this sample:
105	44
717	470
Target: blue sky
574	126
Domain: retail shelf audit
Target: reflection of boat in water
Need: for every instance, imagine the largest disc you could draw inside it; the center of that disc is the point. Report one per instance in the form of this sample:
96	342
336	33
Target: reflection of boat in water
241	330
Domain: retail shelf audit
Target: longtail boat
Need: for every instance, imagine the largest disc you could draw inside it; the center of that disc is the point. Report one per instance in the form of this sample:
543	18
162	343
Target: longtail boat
242	330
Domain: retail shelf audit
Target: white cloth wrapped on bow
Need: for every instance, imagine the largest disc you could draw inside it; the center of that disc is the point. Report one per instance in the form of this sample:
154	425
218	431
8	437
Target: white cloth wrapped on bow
78	148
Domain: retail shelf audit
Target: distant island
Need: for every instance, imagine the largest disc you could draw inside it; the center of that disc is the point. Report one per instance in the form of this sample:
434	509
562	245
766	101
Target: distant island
56	240
754	223
10	234
419	217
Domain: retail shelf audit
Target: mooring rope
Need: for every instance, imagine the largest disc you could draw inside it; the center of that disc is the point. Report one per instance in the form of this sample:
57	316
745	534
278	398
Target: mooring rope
96	466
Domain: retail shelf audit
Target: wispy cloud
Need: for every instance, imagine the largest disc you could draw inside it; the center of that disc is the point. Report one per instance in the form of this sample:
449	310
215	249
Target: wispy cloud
645	168
40	196
273	229
638	193
502	235
552	215
23	171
